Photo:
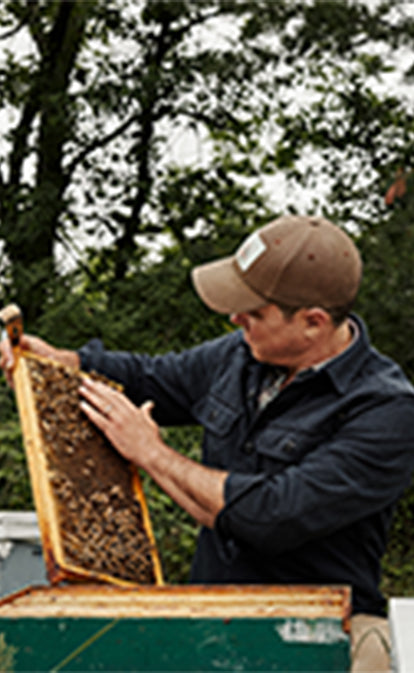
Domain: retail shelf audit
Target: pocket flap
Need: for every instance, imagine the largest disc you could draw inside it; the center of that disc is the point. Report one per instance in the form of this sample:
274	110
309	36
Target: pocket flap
282	447
215	416
286	445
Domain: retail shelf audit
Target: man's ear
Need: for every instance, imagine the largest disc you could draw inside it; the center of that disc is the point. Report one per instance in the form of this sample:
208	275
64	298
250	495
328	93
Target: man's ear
315	319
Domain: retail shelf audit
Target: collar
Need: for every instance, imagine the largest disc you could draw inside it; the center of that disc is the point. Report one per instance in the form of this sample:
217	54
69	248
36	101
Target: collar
353	325
342	368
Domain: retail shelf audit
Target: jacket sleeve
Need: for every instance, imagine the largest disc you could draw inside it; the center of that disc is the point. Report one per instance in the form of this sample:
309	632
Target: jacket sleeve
174	381
363	468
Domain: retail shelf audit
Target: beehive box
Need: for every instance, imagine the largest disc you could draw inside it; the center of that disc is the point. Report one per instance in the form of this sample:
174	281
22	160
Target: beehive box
93	517
189	628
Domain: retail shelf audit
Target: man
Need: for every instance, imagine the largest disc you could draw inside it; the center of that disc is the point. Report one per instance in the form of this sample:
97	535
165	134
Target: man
309	434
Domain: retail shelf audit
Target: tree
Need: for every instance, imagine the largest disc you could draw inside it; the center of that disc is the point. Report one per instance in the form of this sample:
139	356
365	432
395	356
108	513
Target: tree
29	211
387	295
287	88
91	118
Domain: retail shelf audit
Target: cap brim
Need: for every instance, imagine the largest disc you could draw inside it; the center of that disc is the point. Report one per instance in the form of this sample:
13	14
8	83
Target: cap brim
220	287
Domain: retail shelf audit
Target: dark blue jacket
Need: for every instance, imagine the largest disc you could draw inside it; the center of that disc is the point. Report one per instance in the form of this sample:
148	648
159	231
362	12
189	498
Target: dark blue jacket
314	477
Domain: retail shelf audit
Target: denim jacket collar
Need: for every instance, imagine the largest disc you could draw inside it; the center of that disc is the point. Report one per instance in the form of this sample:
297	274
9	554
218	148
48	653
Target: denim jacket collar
342	369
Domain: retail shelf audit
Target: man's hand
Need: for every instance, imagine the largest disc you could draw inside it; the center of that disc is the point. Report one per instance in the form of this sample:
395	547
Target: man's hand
27	343
37	346
7	360
128	427
132	431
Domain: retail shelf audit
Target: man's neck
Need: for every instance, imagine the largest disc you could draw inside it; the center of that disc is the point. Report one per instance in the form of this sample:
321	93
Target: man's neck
342	337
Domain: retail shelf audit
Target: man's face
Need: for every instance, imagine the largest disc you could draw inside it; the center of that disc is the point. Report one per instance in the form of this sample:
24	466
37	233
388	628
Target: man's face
272	337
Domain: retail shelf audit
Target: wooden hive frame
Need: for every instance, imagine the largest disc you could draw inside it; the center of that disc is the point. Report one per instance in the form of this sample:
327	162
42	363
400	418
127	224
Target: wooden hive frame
50	522
59	566
64	560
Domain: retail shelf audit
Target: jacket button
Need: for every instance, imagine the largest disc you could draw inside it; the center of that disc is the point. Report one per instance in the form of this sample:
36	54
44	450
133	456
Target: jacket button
213	415
290	444
248	448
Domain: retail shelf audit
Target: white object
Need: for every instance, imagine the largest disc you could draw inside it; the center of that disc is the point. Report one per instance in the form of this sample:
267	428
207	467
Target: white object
401	618
19	526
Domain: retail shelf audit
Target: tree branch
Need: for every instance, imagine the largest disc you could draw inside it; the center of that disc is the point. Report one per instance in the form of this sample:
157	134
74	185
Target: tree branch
97	143
21	134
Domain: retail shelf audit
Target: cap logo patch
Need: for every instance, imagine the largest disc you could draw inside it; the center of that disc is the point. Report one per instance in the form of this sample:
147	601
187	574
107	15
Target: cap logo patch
250	251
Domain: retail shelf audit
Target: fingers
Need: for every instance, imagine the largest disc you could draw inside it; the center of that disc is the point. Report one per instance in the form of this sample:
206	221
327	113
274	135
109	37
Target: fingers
7	360
93	414
96	405
102	401
102	397
130	429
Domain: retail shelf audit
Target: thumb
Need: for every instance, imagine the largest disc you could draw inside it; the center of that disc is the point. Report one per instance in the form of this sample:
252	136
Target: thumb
146	408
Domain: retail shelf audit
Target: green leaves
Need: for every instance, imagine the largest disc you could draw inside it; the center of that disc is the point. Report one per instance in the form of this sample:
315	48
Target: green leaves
15	491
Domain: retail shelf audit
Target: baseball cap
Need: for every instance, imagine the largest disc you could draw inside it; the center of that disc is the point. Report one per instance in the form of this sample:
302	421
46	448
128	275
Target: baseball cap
295	260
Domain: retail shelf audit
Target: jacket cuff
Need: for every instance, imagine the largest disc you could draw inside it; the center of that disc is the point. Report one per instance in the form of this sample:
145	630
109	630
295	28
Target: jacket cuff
239	513
88	354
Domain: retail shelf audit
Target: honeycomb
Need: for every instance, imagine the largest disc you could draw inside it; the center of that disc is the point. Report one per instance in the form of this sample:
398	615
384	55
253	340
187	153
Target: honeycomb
100	520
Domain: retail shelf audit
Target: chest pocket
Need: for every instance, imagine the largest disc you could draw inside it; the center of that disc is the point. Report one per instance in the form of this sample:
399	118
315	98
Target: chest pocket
221	425
277	448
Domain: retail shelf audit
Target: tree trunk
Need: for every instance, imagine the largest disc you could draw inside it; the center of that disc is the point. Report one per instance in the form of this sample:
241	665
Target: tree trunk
30	216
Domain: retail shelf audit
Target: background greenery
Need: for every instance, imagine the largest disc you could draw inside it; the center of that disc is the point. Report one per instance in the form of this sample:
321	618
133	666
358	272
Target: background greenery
288	106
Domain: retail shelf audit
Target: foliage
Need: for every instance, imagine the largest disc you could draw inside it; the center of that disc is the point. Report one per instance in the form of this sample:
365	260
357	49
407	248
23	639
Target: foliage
386	302
14	477
7	655
15	491
387	294
175	531
398	562
102	89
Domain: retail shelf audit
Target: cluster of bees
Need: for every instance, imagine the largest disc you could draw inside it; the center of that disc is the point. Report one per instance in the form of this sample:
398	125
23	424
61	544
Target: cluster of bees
100	520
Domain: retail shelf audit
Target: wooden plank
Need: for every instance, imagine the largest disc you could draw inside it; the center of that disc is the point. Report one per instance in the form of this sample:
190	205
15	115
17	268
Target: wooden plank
181	601
42	495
